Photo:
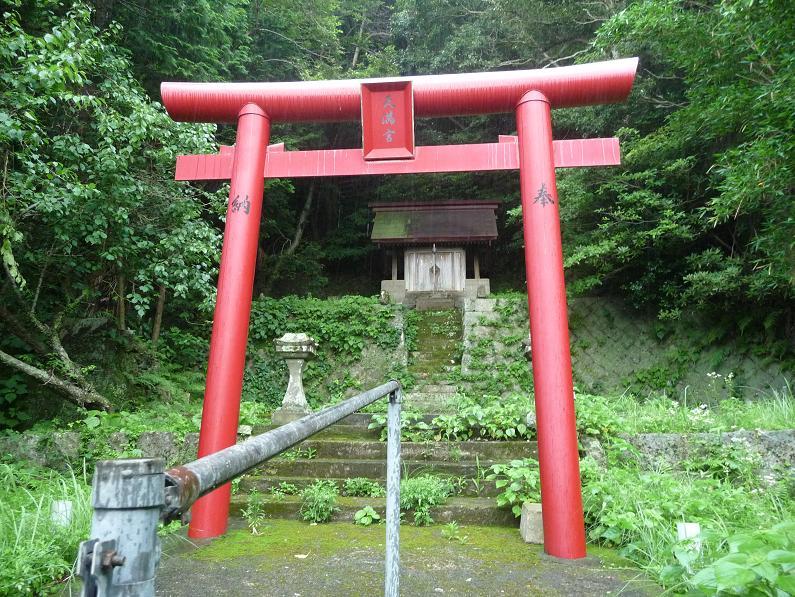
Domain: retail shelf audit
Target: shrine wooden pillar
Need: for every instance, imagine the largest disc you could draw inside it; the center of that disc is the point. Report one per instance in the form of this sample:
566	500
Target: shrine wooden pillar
558	457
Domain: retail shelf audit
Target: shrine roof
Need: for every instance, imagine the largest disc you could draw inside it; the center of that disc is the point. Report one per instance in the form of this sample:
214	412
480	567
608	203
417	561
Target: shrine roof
439	221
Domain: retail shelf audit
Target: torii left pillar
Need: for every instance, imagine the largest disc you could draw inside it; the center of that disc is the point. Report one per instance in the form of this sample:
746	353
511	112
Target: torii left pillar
232	310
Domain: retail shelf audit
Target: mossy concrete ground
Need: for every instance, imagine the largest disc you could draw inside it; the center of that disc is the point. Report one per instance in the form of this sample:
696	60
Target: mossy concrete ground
293	558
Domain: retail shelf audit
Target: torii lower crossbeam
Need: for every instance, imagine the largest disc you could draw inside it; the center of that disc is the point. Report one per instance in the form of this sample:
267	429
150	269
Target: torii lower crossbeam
481	157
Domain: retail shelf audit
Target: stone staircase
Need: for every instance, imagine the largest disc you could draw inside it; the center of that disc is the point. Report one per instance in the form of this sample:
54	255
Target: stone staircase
350	449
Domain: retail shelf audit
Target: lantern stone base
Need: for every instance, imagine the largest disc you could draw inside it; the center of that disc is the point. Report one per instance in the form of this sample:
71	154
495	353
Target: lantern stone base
531	527
282	415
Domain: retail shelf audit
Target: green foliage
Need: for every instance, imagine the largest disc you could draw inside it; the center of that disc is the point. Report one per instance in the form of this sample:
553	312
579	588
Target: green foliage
179	416
366	516
284	488
13	390
636	511
420	494
411	319
298	453
491	418
35	552
727	462
519	481
254	511
600	415
758	563
361	487
595	415
340	325
412	427
452	532
319	501
701	216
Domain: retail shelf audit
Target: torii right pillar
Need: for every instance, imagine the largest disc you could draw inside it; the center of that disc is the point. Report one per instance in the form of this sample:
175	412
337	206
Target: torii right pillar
558	457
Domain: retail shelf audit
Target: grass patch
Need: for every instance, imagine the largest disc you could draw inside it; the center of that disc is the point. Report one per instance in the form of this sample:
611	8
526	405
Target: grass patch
36	553
776	410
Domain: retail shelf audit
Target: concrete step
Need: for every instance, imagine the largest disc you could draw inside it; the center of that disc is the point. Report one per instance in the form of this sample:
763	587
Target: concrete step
322	468
456	452
357	431
434	304
436	388
463	510
465	488
364	419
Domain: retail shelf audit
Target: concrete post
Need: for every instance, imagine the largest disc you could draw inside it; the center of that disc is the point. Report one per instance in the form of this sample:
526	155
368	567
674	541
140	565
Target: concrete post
295	349
122	555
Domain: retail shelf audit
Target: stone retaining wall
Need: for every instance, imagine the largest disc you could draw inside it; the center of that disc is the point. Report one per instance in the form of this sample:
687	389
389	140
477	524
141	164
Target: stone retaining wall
65	448
615	348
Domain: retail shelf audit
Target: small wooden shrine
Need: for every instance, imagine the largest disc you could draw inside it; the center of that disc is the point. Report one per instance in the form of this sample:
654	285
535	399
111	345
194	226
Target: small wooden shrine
436	250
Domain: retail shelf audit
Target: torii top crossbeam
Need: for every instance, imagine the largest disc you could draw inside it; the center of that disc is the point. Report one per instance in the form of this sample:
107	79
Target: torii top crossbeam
387	109
434	95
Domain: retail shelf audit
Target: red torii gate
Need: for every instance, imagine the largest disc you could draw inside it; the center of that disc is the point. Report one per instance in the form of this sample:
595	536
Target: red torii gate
387	108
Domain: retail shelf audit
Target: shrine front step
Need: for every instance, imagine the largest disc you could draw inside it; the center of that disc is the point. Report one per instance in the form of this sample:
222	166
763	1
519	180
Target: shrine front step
269	485
373	469
435	303
456	452
463	510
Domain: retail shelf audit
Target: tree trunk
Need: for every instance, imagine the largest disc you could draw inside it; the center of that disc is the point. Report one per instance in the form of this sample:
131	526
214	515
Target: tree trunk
299	234
85	397
355	59
161	301
122	303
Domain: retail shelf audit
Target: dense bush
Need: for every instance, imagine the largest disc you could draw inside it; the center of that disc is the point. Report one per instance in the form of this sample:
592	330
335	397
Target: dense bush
341	325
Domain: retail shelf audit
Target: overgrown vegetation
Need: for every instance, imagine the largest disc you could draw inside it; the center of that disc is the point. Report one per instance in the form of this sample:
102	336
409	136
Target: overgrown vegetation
36	548
361	487
635	509
421	493
319	501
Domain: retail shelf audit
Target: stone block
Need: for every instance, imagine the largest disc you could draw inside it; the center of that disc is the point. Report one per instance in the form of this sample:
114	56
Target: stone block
283	415
484	305
25	446
190	448
531	526
67	445
475	318
118	441
593	448
158	444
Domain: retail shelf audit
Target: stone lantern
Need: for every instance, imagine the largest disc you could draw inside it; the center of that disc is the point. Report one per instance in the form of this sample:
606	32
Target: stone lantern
295	349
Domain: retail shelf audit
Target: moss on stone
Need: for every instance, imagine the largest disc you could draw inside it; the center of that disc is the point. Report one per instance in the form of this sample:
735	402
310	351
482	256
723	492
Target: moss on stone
292	557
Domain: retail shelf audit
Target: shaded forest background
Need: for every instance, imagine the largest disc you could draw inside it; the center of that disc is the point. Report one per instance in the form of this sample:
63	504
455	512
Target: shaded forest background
109	265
